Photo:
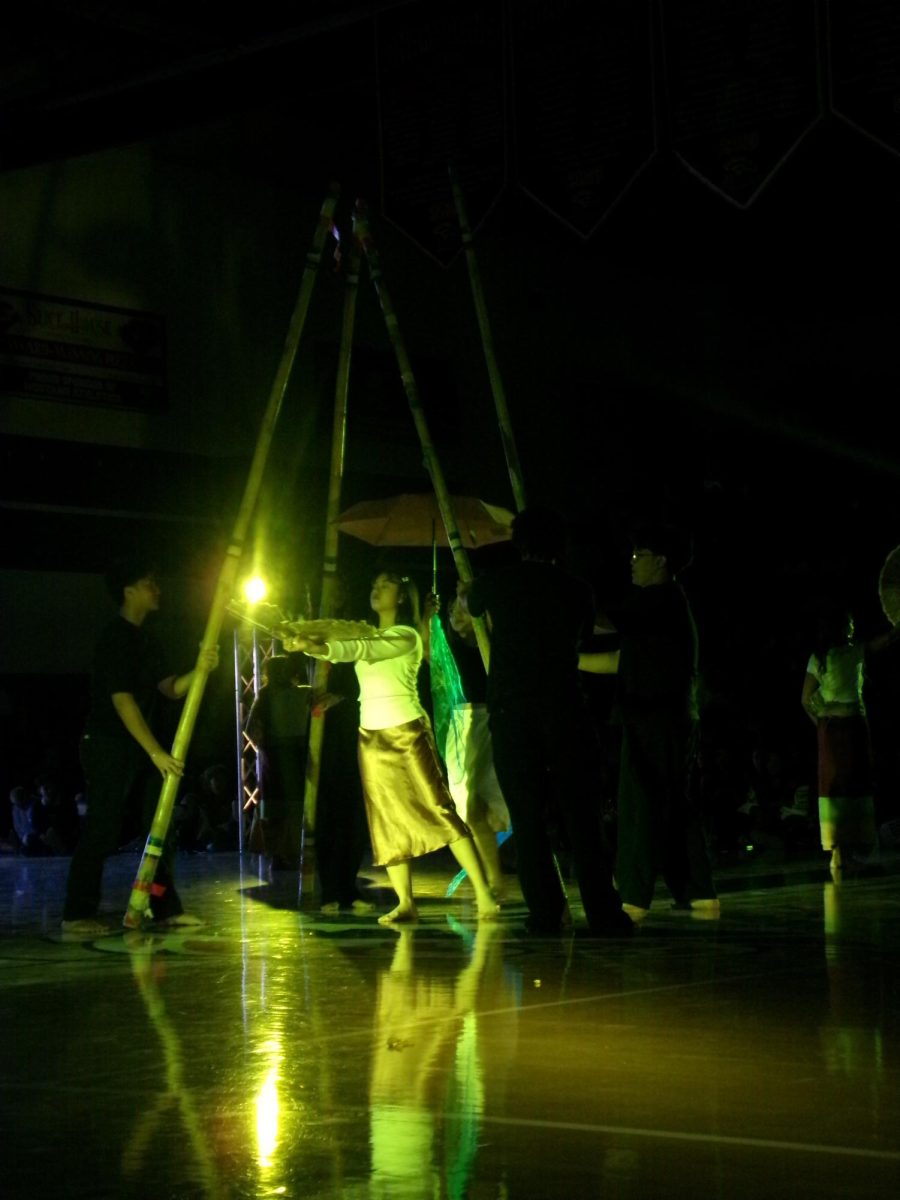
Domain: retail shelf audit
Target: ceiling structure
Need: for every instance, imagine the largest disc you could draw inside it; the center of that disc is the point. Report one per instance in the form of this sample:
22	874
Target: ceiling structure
78	77
787	291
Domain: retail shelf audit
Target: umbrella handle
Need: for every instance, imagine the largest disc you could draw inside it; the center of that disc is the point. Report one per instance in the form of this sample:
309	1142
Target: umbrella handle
433	557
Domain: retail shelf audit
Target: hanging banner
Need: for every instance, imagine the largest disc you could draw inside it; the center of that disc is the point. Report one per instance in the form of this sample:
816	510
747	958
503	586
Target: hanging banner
864	55
583	103
441	101
75	352
743	88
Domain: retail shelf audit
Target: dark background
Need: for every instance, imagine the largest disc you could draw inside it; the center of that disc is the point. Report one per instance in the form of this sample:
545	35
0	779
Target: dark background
715	348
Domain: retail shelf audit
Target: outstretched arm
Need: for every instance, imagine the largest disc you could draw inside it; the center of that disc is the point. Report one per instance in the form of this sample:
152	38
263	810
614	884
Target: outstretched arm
367	649
884	641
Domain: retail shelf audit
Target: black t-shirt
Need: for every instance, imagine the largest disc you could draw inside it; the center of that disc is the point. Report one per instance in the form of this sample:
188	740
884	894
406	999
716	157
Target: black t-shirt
658	655
470	667
540	617
127	658
279	714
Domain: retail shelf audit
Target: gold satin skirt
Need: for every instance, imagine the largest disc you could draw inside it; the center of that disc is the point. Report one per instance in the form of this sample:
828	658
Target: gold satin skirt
409	809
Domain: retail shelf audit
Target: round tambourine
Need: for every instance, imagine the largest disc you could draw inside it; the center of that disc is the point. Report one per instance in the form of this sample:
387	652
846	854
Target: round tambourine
889	586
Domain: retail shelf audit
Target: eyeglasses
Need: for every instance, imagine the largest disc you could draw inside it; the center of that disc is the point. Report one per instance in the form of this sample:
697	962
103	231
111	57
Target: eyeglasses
642	554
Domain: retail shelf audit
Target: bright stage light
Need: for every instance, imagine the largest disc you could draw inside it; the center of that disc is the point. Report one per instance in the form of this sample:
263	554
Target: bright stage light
255	589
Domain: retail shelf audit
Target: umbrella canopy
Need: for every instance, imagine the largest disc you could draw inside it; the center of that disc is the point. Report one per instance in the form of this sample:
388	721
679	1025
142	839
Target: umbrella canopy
413	520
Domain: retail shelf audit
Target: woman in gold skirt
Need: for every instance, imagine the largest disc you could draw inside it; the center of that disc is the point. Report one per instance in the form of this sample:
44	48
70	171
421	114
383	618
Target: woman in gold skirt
409	810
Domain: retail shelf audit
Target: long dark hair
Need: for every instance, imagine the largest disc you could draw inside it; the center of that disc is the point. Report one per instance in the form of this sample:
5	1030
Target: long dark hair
834	627
408	608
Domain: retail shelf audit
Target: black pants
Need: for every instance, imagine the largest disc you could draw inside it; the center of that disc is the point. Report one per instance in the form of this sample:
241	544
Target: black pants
342	833
122	790
541	755
659	828
283	788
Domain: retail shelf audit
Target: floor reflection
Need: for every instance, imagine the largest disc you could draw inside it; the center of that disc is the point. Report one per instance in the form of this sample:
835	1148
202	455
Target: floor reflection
277	1053
862	1022
427	1091
170	1100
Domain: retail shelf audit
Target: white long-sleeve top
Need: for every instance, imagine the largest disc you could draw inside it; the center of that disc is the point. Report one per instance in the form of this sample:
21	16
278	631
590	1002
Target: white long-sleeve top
387	666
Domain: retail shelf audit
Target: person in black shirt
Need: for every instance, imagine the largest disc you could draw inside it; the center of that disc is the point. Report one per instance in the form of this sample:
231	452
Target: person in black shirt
659	826
543	738
119	748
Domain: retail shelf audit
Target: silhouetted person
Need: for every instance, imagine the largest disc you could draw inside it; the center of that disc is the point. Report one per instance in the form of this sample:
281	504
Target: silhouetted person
832	698
659	824
342	835
544	741
122	758
278	724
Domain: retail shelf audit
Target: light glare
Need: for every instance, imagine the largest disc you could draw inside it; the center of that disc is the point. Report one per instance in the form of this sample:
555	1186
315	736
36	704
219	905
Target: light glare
255	589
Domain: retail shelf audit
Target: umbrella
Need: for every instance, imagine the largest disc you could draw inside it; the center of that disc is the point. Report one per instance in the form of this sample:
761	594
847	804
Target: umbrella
415	520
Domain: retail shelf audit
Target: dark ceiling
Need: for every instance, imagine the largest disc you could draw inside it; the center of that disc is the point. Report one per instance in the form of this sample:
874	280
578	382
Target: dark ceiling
770	321
78	77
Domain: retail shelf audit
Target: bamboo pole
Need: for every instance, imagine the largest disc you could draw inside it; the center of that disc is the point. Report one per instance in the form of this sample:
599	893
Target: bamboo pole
487	341
140	893
363	234
329	569
513	464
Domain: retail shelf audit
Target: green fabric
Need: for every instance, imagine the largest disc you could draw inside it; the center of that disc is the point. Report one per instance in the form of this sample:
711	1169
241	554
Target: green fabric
446	697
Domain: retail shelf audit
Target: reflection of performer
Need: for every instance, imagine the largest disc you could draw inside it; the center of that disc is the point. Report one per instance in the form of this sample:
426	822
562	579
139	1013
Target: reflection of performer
427	1040
409	809
467	748
856	999
172	1091
832	698
119	746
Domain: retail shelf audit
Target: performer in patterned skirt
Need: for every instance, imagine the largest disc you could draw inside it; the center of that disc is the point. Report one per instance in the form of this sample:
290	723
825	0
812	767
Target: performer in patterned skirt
832	698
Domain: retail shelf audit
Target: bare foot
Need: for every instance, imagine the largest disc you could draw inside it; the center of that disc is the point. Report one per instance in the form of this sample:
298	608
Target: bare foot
488	909
636	913
182	920
402	914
